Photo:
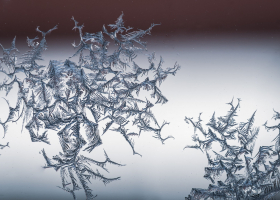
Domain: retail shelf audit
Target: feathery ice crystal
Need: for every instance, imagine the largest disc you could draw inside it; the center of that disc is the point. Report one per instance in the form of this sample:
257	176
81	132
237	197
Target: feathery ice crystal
247	177
73	99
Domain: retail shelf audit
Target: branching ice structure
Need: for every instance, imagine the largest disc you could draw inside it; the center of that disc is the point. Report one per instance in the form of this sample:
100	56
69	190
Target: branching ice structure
245	179
73	99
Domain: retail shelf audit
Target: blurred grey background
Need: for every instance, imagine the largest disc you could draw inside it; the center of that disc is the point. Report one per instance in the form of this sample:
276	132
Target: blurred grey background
218	62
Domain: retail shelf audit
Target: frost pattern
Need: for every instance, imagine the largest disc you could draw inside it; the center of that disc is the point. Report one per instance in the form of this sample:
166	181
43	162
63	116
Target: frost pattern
247	177
73	99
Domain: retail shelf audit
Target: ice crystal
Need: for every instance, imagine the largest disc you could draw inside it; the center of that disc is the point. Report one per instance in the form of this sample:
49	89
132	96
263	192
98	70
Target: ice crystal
73	99
247	177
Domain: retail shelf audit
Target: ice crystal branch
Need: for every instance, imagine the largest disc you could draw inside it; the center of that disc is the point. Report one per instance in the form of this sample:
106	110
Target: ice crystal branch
247	177
74	99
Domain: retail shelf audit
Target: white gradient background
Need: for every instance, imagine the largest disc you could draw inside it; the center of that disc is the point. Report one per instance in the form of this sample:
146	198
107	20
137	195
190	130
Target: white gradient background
214	69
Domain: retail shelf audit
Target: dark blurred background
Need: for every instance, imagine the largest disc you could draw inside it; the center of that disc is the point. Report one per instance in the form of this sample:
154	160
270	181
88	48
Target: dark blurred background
21	17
